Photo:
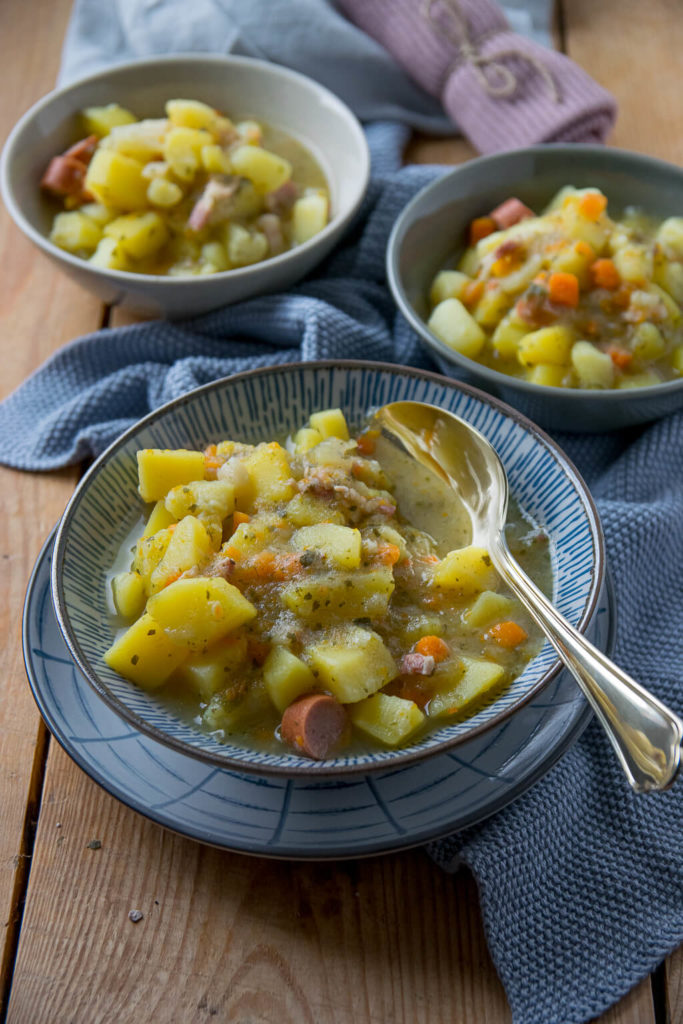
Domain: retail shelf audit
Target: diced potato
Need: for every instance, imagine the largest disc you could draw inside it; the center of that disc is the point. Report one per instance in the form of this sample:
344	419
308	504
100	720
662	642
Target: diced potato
215	254
673	310
145	654
215	160
557	202
448	284
677	359
639	380
305	439
330	423
191	114
574	259
547	345
492	306
101	120
164	193
286	677
507	336
355	667
197	611
209	672
593	368
212	498
238	708
669	276
670	237
109	255
98	212
582	228
143	141
307	509
309	216
159	519
488	607
648	342
75	232
466	571
269	473
634	263
183	149
517	280
546	374
351	595
266	170
160	469
338	545
453	325
418	626
391	536
116	180
244	247
252	537
250	132
391	720
470	262
139	234
129	594
149	551
247	202
476	680
189	545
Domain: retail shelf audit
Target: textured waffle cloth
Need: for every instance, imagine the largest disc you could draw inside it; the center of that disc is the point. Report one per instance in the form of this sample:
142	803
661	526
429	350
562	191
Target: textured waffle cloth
581	882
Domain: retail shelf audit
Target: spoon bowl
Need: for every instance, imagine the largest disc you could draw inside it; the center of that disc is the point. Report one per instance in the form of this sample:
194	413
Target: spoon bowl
645	734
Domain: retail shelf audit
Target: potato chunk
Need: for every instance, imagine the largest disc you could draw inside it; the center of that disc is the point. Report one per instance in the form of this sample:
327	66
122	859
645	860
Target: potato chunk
391	720
197	611
468	683
128	591
139	234
192	114
183	149
109	255
160	469
355	667
286	677
593	368
309	217
265	169
159	519
347	595
307	509
448	284
75	232
145	654
209	672
339	545
330	423
212	498
455	326
465	571
488	607
101	120
116	180
189	545
269	474
547	345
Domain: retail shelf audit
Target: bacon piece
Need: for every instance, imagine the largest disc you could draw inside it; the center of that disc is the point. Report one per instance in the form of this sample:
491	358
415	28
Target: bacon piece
510	212
282	199
214	204
64	177
269	224
415	664
83	150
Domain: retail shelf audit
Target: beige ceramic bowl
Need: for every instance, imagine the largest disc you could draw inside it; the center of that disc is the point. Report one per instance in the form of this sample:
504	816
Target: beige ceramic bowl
241	87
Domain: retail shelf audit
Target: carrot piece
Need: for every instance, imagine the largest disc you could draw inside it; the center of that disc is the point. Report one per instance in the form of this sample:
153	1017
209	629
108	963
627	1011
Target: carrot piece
238	518
472	292
434	646
286	566
480	227
564	289
507	634
604	274
620	357
366	442
584	249
389	554
230	552
592	205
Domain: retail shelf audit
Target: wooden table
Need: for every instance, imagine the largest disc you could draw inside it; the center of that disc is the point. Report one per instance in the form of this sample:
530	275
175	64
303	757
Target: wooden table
230	937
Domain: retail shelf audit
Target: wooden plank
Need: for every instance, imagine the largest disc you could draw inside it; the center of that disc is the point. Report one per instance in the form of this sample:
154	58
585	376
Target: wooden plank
242	939
39	310
674	987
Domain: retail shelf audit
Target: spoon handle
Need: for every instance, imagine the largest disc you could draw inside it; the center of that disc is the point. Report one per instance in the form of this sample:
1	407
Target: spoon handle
644	733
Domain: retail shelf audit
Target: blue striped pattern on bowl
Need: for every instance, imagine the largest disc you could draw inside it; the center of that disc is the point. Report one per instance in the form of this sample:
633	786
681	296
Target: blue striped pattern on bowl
258	406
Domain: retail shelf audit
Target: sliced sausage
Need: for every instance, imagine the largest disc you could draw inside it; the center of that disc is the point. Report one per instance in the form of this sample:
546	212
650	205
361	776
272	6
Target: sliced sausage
83	150
314	725
64	177
415	664
510	212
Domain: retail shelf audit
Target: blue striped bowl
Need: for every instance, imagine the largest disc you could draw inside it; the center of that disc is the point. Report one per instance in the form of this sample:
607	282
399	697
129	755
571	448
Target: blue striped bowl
267	403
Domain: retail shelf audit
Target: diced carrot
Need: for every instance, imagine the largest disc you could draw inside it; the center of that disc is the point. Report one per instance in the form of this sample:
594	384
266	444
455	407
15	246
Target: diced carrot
480	227
620	357
238	518
230	552
286	566
389	554
210	449
604	274
507	634
592	205
564	289
257	650
472	292
366	442
584	249
434	646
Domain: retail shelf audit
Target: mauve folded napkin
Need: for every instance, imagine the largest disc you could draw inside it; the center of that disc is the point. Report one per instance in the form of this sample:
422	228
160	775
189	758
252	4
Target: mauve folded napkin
504	90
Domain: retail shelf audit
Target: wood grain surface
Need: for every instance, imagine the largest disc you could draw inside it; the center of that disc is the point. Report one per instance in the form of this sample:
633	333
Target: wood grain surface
227	937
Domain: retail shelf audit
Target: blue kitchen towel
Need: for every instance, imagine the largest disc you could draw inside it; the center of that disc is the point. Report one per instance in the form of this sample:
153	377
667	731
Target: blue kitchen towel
581	882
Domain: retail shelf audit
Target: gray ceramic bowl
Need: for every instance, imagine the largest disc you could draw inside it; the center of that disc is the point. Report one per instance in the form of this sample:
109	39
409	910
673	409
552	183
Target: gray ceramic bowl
430	230
237	85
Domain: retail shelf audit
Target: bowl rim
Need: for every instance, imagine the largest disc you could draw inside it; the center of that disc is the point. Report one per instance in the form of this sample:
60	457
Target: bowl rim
496	377
337	222
401	758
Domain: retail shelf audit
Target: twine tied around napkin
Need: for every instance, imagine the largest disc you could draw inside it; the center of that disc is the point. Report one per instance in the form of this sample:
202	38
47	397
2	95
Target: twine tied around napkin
504	90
